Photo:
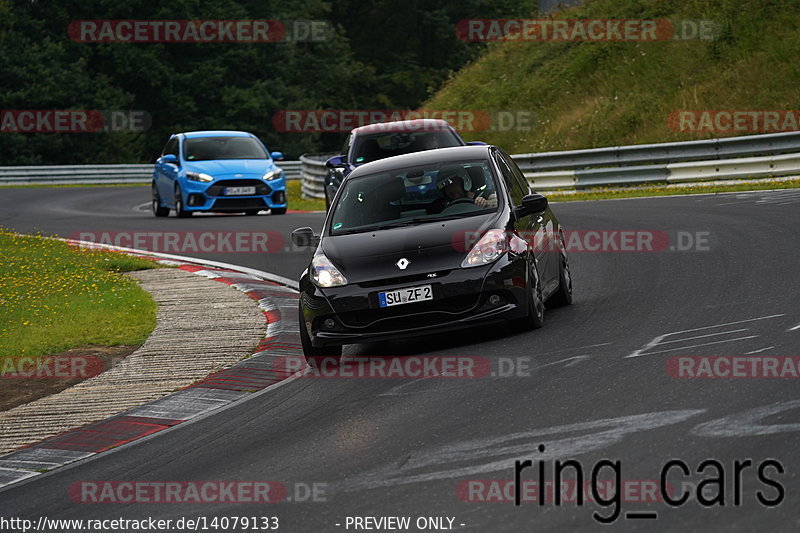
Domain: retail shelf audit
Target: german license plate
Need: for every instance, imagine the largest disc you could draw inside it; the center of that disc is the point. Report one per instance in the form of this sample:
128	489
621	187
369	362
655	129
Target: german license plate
405	296
229	191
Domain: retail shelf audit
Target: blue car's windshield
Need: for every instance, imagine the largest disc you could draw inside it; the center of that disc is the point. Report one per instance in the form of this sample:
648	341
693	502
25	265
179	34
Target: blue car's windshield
206	148
414	195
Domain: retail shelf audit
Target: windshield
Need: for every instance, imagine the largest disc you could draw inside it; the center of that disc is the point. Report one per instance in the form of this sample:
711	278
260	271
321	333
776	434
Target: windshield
374	146
206	148
415	195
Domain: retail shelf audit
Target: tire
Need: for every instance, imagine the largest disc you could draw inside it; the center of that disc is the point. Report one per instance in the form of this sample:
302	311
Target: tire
278	210
563	296
158	209
534	319
315	355
180	212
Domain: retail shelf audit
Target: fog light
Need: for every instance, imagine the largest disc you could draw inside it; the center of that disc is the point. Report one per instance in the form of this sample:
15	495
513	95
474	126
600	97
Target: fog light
196	199
494	299
330	323
279	197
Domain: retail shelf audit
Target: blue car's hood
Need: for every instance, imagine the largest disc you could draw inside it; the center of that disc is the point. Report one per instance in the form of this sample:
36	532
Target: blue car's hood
227	167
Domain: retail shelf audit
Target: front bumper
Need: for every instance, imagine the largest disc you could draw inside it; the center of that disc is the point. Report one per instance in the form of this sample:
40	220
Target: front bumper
461	299
199	196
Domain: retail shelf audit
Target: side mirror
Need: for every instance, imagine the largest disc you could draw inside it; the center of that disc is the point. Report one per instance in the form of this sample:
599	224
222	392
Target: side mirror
170	158
304	237
277	156
336	161
532	204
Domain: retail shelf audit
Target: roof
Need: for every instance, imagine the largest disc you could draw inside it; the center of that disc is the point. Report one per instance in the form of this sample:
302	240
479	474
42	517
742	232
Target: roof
425	157
420	124
216	133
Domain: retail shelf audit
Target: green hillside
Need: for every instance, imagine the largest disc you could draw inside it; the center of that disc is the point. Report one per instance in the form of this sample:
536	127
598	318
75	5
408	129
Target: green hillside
591	94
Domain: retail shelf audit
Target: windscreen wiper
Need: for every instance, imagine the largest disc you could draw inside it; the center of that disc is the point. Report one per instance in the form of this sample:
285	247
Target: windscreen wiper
416	220
399	224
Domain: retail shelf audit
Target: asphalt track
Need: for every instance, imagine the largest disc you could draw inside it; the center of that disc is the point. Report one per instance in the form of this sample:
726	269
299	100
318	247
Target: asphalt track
593	384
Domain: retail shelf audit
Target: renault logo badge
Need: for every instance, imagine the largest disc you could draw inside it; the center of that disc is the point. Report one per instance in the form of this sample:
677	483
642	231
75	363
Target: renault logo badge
402	263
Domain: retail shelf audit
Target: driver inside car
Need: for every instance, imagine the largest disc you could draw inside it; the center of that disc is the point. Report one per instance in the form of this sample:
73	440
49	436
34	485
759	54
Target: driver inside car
451	181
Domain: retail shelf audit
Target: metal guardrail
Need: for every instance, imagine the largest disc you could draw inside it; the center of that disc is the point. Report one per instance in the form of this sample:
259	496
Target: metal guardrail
776	154
75	174
673	152
727	158
97	174
313	173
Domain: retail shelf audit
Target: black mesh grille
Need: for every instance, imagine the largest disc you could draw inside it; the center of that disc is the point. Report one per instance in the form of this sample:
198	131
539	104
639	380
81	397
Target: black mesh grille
238	203
403	316
388	282
424	315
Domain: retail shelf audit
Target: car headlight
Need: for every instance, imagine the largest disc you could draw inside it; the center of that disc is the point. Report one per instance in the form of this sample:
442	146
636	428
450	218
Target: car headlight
489	248
273	175
199	176
324	274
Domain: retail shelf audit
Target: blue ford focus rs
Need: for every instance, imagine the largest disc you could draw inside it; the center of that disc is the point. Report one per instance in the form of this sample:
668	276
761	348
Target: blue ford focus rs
219	171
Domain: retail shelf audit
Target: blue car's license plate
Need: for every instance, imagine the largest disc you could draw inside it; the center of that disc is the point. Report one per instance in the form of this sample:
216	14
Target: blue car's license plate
229	191
405	296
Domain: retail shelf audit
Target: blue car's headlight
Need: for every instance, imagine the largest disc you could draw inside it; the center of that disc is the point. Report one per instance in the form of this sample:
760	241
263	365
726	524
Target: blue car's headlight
199	176
273	175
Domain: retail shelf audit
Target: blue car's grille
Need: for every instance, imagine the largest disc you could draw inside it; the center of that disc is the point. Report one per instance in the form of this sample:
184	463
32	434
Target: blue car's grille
232	204
262	189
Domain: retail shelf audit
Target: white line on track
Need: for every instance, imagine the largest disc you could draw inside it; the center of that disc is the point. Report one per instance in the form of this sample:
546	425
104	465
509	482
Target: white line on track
574	361
658	340
759	351
704	336
704	344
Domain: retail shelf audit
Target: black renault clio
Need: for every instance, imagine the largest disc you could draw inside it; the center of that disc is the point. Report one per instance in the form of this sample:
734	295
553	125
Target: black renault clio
429	242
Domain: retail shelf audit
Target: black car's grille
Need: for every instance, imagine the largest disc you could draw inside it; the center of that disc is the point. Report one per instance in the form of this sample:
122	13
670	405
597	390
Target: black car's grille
388	282
239	203
261	187
409	315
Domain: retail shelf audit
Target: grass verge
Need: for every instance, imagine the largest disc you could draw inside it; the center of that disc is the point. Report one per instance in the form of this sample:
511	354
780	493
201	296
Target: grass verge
54	297
296	200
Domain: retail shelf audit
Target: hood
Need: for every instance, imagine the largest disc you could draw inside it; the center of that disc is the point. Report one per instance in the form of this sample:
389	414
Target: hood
430	247
228	167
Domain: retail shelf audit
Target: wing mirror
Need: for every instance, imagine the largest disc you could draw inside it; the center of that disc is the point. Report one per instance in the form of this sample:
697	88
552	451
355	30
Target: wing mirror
170	158
532	204
304	237
336	161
